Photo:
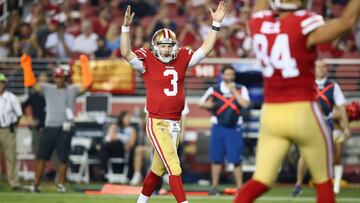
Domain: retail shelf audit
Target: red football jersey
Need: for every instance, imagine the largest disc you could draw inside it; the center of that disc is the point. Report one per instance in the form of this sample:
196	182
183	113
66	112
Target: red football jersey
280	45
165	92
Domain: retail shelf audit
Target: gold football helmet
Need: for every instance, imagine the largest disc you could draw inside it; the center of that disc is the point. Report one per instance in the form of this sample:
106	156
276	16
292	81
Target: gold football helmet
164	36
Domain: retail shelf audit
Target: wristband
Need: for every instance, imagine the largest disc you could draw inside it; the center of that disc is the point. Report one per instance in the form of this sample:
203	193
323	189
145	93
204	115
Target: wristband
125	28
216	25
215	28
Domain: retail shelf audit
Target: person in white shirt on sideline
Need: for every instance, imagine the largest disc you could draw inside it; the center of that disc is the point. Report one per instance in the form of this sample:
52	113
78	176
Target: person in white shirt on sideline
10	112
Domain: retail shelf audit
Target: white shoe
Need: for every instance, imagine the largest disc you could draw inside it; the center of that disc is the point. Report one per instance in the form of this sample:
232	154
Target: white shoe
136	179
34	189
60	188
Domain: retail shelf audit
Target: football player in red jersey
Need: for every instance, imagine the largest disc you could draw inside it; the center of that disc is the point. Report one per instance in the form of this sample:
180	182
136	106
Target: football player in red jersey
163	69
283	40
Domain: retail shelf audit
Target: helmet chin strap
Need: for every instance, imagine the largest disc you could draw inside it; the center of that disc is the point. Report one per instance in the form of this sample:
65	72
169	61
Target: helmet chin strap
168	59
165	59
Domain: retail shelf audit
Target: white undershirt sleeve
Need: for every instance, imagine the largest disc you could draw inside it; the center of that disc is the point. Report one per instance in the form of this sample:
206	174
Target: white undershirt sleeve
339	97
197	57
137	64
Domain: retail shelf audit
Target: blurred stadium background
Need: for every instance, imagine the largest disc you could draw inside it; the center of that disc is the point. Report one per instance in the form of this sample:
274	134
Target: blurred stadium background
26	24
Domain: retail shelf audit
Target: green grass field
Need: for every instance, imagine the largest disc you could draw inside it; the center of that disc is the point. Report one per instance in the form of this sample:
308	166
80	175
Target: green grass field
49	195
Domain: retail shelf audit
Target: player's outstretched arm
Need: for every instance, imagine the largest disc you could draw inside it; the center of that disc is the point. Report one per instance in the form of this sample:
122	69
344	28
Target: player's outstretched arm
125	45
260	5
334	28
217	17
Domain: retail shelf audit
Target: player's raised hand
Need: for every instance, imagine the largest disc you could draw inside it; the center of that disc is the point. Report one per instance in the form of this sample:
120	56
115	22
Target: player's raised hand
128	18
219	14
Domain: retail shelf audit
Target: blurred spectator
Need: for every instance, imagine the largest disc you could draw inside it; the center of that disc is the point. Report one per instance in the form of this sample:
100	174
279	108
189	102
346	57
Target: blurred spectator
49	8
101	24
113	37
21	40
10	112
244	14
161	20
13	4
41	30
336	7
14	22
240	41
346	43
72	17
86	41
120	139
59	43
231	17
4	42
73	23
140	7
36	11
203	21
142	156
140	38
102	51
188	35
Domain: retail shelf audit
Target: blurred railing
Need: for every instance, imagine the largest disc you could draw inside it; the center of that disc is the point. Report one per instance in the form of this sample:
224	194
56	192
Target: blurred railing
345	71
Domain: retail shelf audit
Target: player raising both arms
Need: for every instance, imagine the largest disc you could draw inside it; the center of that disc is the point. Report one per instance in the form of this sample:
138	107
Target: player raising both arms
163	70
283	40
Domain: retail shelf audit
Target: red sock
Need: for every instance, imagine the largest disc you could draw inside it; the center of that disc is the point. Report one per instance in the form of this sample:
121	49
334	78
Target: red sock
250	191
177	188
150	183
324	192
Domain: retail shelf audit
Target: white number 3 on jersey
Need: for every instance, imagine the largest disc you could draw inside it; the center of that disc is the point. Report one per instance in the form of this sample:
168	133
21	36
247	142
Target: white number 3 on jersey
173	82
279	57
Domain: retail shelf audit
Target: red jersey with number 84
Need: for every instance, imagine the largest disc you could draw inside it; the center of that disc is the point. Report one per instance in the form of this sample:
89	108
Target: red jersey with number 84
165	92
280	45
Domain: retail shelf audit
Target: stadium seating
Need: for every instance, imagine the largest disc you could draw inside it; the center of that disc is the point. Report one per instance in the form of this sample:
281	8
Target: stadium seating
79	167
117	177
24	153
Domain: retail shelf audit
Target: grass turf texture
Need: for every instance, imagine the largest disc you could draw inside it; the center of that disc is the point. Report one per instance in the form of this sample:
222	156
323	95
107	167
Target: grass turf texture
49	195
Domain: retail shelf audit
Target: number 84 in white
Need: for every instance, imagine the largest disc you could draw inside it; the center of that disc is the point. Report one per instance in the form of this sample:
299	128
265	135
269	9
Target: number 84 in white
279	57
